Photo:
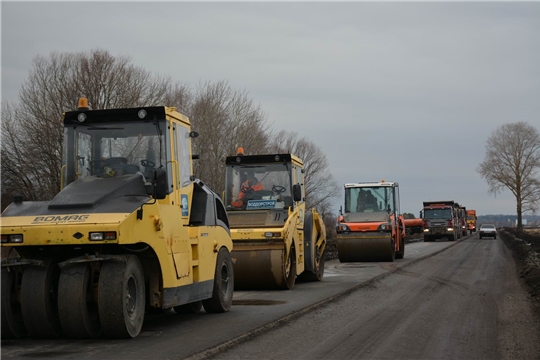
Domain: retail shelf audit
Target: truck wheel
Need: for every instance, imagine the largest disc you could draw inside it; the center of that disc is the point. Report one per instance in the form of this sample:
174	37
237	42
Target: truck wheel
121	298
12	320
451	238
191	308
76	306
222	293
39	301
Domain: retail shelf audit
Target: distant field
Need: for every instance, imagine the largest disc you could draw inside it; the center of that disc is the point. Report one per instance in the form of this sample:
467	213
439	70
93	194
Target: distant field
535	232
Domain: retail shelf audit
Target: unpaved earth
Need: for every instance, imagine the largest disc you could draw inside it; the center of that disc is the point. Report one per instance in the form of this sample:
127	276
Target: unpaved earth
525	246
465	303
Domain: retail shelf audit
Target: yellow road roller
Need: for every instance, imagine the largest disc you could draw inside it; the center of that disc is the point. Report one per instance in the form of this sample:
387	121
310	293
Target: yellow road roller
130	231
371	228
274	238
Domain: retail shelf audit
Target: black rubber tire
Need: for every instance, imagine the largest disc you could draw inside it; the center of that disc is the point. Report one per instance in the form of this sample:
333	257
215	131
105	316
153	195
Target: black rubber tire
191	308
77	308
121	299
495	237
222	293
401	254
451	238
12	320
317	275
479	237
318	272
392	251
289	271
427	239
39	300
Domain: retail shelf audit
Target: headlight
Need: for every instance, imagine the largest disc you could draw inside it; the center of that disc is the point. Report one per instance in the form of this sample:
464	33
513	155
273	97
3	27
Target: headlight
13	238
342	228
17	238
99	236
385	227
272	234
450	229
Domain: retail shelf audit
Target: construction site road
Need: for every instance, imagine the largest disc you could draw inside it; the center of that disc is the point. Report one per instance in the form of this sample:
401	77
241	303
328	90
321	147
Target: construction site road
444	300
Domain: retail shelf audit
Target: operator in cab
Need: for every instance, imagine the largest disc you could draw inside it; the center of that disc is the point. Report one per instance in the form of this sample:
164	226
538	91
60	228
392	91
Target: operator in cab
366	201
247	188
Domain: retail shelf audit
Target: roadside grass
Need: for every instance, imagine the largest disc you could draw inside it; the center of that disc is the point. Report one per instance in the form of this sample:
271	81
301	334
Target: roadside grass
525	246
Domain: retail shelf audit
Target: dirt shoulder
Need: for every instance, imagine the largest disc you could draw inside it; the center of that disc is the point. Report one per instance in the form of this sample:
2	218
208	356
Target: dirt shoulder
525	246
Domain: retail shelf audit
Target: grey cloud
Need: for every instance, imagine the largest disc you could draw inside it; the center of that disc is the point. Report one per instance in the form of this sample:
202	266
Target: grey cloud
408	92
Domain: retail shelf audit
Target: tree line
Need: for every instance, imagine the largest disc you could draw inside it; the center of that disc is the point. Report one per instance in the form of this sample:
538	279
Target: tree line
226	118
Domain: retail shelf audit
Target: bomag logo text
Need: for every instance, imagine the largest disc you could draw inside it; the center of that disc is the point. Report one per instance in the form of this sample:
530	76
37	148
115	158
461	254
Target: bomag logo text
61	219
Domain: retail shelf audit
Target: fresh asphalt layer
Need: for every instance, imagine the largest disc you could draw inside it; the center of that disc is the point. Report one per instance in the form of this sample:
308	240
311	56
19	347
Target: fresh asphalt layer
196	336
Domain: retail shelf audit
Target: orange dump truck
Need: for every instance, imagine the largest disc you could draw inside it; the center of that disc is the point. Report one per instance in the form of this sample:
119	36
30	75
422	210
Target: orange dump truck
471	220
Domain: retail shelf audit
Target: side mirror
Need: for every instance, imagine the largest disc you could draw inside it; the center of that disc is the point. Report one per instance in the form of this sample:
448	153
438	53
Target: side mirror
297	192
160	184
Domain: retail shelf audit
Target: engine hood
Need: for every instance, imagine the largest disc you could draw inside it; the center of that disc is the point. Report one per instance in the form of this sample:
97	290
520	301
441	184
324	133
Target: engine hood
89	195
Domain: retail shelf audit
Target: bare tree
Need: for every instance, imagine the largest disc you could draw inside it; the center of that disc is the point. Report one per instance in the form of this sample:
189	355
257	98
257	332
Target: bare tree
226	119
19	173
320	184
32	133
512	161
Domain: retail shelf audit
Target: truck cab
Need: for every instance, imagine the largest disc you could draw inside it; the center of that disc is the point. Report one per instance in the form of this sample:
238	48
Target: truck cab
440	220
471	221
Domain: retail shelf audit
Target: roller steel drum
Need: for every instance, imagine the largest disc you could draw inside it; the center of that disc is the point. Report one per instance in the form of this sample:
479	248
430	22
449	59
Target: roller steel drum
259	269
355	247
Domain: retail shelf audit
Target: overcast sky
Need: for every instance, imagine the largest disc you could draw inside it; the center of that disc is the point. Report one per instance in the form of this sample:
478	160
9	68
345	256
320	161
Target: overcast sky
405	91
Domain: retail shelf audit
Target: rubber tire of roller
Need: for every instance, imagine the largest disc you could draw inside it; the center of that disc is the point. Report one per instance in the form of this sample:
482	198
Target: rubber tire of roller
222	293
39	300
12	320
118	282
78	312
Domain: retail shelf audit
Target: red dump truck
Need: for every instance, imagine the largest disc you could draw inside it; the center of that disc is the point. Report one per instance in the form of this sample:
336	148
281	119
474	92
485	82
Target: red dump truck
441	220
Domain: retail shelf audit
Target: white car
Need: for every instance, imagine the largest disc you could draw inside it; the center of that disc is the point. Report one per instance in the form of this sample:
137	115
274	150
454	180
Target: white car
488	230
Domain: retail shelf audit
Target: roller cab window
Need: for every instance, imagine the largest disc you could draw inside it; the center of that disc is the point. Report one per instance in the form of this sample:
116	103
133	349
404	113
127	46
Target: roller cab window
369	199
112	149
258	186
